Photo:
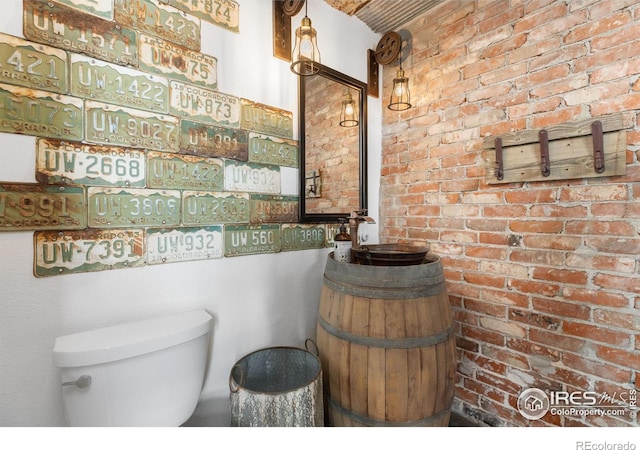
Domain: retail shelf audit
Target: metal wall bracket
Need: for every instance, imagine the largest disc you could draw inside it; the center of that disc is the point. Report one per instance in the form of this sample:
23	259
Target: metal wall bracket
545	164
598	146
499	171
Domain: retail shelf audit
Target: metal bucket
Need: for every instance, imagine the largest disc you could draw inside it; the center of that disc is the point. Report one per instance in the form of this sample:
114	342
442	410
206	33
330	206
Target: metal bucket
277	387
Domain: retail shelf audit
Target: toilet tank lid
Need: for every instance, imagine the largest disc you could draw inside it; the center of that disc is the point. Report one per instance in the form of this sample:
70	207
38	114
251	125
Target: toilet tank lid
129	339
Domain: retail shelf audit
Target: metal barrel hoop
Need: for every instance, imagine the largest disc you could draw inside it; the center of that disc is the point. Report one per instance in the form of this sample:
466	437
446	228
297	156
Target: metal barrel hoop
233	386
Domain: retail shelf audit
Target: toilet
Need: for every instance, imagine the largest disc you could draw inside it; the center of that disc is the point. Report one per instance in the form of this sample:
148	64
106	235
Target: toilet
144	373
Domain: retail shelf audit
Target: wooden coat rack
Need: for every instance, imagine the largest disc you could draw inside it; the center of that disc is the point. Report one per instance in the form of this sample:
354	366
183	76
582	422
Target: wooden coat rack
584	149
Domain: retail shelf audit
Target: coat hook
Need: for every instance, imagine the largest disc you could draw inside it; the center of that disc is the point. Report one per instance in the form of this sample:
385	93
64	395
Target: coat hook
545	164
598	146
499	170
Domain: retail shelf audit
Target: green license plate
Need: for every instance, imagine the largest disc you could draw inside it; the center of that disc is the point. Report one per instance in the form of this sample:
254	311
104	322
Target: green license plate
302	237
274	208
100	8
160	20
210	140
224	13
64	27
38	113
204	208
247	177
58	253
59	162
272	150
180	63
115	207
184	244
250	240
32	65
204	105
173	171
266	119
105	82
38	207
117	125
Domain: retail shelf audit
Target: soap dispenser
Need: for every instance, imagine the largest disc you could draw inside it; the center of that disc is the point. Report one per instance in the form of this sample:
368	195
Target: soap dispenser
342	240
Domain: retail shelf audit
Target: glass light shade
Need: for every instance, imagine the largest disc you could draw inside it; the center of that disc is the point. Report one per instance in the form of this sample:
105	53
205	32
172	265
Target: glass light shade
305	58
400	95
348	112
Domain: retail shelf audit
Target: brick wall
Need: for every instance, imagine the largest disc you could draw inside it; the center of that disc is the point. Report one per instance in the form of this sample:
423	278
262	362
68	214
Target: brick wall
543	277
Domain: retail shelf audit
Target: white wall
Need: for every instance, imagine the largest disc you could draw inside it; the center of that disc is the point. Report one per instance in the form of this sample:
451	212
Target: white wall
257	301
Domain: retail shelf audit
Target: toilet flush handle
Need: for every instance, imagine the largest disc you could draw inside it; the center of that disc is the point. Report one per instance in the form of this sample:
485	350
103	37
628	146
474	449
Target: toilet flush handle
82	382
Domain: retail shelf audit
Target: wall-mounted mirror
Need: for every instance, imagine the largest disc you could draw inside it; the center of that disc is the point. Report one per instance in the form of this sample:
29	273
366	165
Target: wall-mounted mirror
333	157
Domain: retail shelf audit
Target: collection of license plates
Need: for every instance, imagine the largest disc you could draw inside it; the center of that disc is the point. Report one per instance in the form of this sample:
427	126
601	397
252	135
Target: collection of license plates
139	158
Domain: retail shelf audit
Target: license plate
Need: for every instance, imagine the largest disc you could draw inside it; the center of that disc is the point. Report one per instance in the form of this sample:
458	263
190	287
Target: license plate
274	208
66	28
173	171
115	207
206	208
105	82
250	240
225	13
117	125
39	113
266	119
58	253
184	244
37	207
32	65
210	140
204	105
173	61
160	20
100	8
248	177
302	237
272	150
94	165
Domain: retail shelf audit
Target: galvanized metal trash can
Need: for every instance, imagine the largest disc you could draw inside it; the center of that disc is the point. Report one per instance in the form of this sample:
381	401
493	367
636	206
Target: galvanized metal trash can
277	387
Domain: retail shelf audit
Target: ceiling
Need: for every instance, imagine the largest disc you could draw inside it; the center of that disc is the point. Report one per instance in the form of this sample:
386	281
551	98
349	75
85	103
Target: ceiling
384	15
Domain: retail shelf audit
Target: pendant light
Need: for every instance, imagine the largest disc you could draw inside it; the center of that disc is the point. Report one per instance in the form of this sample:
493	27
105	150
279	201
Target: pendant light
349	111
400	95
305	58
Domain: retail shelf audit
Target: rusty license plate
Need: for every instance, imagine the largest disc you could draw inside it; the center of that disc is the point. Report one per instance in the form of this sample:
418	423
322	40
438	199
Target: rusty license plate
184	244
248	177
302	237
116	207
58	252
224	13
250	240
93	165
106	82
210	140
173	171
266	119
39	113
165	58
204	105
272	150
100	8
206	208
31	65
117	125
274	208
160	20
64	27
38	207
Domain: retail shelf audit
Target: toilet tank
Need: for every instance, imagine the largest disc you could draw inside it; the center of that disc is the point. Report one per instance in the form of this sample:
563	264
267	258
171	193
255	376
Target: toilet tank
144	373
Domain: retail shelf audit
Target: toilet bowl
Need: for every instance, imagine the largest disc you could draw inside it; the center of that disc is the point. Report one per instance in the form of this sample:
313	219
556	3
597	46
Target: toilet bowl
144	373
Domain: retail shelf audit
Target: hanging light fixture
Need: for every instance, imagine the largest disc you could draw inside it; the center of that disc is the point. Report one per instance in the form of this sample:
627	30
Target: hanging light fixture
349	111
305	58
400	95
